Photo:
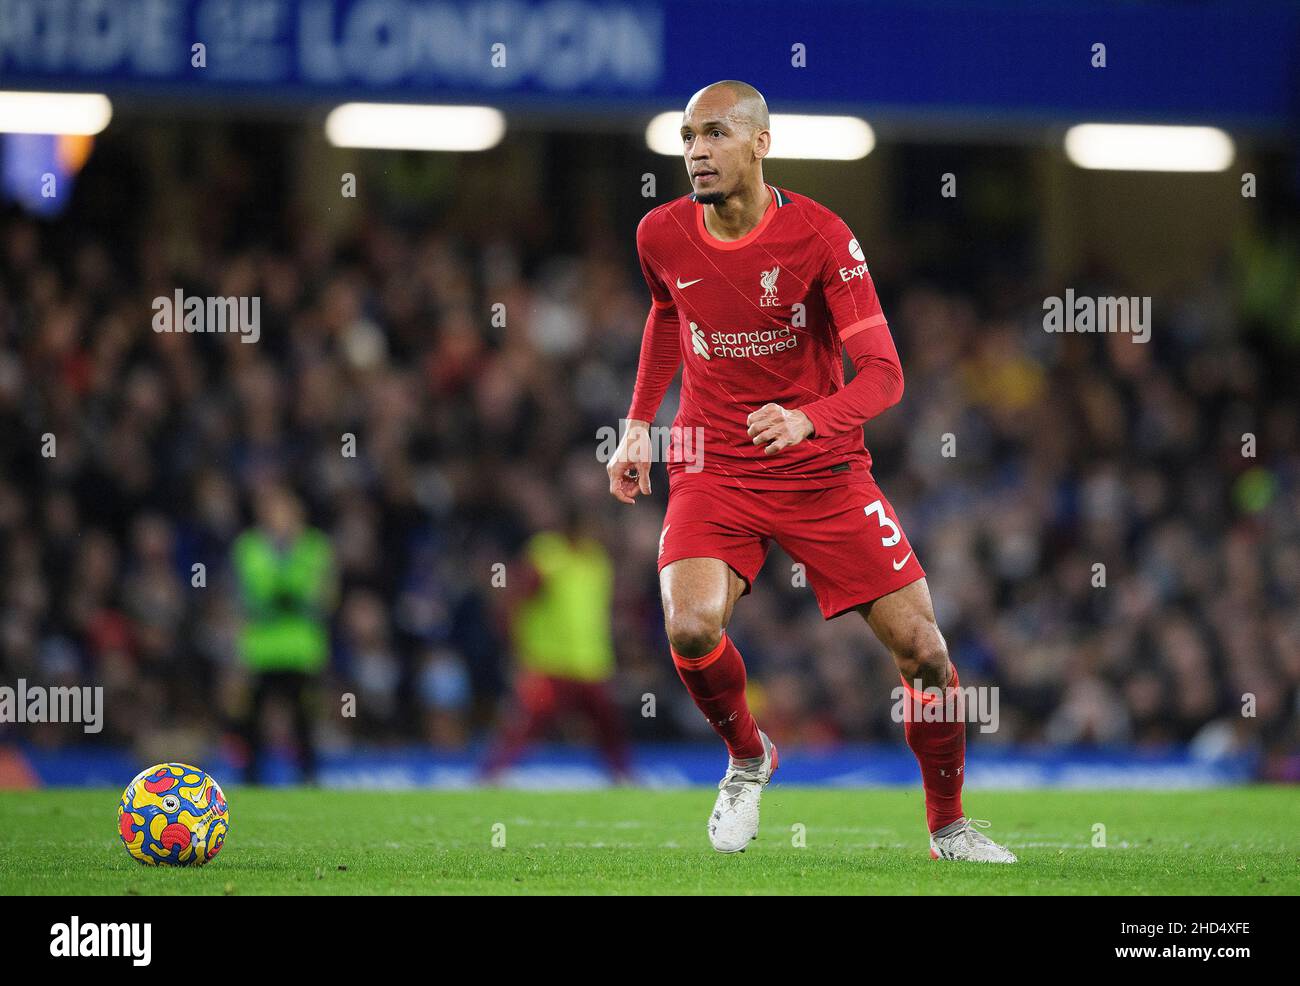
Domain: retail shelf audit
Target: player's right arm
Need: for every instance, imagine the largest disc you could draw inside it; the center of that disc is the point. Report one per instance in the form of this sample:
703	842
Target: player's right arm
661	355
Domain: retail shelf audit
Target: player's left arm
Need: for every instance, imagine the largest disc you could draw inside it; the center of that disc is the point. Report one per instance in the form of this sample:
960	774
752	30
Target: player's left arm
857	319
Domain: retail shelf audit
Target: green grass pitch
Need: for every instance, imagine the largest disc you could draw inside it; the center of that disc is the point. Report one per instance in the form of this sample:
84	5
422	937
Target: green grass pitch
627	841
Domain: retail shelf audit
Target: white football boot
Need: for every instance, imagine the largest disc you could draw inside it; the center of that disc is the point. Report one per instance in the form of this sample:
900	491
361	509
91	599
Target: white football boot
734	822
963	840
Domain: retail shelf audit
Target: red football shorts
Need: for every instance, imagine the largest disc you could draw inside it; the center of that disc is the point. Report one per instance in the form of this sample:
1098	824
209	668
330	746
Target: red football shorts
847	538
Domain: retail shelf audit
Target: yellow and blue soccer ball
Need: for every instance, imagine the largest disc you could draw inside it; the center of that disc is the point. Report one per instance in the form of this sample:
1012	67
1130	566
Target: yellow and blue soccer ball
173	814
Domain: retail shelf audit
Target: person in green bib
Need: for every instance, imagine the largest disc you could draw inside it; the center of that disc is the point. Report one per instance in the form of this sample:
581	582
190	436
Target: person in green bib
559	613
287	586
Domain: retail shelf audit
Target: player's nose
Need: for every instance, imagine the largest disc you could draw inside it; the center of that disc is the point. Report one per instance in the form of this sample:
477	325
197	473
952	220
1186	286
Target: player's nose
697	162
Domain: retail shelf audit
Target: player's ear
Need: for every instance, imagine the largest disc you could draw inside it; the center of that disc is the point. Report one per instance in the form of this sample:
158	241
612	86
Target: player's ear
762	144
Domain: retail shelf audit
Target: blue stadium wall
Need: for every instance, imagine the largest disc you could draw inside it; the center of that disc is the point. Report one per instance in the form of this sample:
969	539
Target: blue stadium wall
667	766
1233	62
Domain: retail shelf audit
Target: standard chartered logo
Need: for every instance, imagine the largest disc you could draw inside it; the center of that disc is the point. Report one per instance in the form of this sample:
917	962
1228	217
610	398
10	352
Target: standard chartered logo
764	342
697	342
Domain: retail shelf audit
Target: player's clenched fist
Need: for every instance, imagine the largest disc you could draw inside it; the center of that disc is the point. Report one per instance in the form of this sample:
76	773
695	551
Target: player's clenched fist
774	426
629	469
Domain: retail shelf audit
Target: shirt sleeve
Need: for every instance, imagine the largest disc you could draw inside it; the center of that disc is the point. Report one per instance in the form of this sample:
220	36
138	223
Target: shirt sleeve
859	323
661	348
846	283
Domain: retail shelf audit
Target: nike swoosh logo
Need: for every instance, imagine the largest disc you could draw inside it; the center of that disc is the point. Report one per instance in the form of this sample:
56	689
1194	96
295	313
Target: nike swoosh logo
687	284
898	565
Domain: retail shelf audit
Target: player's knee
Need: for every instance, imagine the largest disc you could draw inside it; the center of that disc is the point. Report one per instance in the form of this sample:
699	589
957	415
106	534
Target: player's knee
924	656
693	633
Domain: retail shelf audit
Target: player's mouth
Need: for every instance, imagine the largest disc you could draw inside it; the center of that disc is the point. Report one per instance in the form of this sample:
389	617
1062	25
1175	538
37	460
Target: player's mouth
704	175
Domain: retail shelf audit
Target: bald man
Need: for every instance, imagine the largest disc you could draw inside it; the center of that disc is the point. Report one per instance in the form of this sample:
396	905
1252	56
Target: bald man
757	290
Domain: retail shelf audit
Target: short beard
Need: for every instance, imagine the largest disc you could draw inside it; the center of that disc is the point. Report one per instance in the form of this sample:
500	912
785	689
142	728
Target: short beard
710	198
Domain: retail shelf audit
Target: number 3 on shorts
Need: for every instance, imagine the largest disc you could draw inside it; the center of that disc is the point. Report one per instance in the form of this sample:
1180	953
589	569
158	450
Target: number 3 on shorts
877	508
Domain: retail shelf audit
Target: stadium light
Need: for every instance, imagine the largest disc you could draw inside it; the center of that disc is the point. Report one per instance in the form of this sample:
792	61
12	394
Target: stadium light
81	114
794	135
412	127
1134	147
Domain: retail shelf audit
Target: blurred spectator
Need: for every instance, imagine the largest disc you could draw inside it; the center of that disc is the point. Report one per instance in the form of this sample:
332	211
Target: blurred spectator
285	575
560	625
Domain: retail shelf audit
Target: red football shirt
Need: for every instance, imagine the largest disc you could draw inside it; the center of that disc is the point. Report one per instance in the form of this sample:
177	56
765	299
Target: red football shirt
762	320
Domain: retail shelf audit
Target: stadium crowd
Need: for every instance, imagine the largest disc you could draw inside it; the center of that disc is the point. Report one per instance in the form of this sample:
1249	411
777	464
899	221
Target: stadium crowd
475	375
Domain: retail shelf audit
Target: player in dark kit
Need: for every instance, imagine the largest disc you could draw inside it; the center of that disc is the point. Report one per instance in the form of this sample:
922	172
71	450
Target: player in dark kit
756	289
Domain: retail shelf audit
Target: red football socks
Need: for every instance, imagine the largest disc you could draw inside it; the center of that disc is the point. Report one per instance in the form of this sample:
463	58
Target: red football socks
716	682
940	749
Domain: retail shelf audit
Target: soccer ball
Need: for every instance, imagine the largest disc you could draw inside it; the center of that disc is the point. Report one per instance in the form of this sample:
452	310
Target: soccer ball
173	814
